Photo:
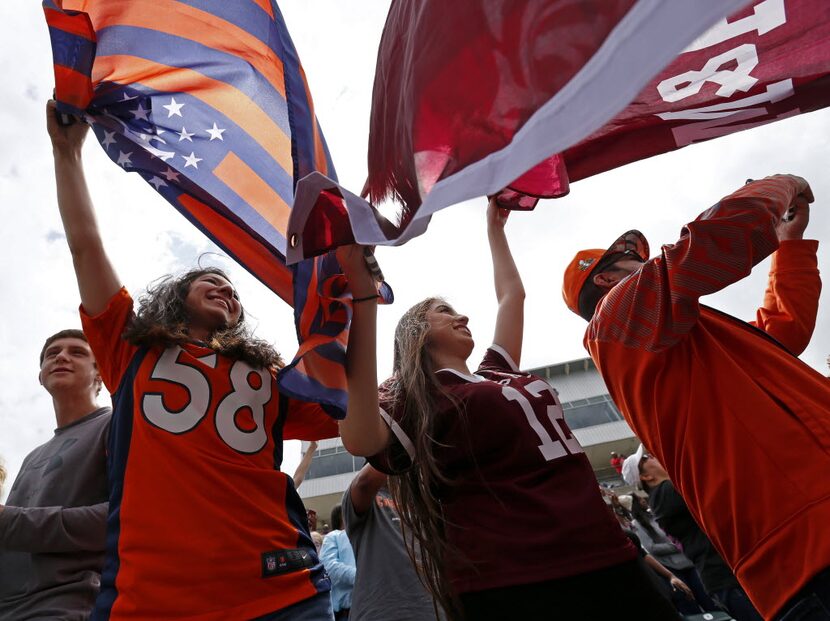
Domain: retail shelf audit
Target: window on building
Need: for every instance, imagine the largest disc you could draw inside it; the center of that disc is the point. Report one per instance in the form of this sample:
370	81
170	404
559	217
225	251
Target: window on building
339	462
592	411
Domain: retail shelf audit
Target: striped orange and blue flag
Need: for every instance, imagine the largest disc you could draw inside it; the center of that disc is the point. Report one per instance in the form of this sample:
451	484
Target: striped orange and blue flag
208	102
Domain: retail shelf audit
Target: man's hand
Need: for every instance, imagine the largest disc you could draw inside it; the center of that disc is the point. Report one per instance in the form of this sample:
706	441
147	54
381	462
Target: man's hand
67	140
803	186
797	219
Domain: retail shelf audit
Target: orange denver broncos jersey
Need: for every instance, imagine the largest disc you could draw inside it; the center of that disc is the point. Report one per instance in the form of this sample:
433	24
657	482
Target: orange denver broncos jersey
202	523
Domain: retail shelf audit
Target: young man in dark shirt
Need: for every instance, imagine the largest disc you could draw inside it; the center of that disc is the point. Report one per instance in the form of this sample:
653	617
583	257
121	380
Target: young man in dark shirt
52	528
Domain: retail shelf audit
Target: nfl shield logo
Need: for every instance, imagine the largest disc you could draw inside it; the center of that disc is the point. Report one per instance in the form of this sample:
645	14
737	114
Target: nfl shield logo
270	563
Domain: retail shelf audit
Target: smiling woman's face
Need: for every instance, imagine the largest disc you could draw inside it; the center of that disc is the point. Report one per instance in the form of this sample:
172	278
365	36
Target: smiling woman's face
448	331
212	303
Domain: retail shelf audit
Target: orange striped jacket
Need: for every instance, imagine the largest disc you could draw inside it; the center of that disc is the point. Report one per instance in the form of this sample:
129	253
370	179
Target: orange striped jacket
740	423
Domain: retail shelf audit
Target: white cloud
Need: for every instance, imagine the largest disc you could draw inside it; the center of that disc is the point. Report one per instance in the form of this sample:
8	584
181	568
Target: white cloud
337	43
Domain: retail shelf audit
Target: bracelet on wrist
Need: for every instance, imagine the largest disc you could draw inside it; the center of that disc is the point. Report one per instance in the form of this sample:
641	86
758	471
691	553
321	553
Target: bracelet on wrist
366	299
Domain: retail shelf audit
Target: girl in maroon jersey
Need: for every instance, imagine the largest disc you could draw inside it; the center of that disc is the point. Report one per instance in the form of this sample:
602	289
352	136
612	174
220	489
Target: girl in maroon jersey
491	485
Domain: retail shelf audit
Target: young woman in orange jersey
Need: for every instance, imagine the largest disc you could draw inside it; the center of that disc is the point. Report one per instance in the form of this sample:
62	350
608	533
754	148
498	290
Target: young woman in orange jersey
202	523
490	483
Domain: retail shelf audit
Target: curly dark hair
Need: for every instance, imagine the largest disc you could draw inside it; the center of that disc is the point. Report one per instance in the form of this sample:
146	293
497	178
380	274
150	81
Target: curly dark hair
161	321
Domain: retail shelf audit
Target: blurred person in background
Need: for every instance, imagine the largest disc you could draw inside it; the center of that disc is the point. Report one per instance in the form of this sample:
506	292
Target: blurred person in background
387	585
657	543
338	557
616	462
674	518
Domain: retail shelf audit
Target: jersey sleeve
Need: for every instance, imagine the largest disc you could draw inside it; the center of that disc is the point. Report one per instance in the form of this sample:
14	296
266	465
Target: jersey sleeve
496	358
657	306
103	331
791	300
305	420
399	455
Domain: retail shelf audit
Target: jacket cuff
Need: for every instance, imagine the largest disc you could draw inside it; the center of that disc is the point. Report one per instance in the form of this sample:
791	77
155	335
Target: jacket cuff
795	254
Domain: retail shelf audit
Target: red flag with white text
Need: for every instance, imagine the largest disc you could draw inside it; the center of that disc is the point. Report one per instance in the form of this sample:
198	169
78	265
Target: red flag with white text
528	97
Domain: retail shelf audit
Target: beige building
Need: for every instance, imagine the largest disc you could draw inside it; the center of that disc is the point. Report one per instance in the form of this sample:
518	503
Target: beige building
591	415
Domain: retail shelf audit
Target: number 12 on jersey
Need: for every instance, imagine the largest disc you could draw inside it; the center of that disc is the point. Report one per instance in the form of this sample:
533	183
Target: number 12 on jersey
550	448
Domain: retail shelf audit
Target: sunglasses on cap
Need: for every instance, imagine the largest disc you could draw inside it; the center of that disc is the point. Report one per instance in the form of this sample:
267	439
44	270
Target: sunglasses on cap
612	258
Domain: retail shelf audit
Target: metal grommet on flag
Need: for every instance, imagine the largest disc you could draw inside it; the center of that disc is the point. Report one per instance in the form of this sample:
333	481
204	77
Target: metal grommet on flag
372	264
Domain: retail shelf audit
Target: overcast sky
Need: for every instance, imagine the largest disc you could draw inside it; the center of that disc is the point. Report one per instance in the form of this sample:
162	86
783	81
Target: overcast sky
337	42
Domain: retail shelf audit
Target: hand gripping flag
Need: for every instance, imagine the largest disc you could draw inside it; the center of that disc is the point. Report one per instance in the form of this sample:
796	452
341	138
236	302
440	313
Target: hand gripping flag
207	101
470	98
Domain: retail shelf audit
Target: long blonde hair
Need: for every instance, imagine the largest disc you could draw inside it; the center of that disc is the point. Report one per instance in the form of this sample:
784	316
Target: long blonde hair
415	387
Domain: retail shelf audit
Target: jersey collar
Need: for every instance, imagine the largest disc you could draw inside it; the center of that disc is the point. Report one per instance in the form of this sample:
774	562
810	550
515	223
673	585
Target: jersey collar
464	376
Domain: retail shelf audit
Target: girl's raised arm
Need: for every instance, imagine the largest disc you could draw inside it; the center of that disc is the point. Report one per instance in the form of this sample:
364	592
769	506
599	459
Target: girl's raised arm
97	281
510	292
363	431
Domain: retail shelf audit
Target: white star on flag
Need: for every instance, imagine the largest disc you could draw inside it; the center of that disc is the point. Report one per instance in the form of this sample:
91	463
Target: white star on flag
173	108
139	135
124	159
215	133
157	136
127	97
140	113
171	175
185	135
162	155
157	182
192	160
109	138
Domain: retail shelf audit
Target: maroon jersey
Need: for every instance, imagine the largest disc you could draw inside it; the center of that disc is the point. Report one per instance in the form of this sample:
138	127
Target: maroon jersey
523	504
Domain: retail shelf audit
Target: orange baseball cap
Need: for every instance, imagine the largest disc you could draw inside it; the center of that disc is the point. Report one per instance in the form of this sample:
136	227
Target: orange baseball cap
586	261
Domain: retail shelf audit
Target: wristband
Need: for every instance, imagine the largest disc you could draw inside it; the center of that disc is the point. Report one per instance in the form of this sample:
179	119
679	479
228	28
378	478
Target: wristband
366	299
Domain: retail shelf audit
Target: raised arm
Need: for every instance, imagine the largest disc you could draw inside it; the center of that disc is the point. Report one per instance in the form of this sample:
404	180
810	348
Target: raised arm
791	300
97	281
365	487
305	462
510	292
660	303
363	431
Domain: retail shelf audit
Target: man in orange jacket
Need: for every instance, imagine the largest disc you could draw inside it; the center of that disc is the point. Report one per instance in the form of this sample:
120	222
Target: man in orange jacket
741	424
